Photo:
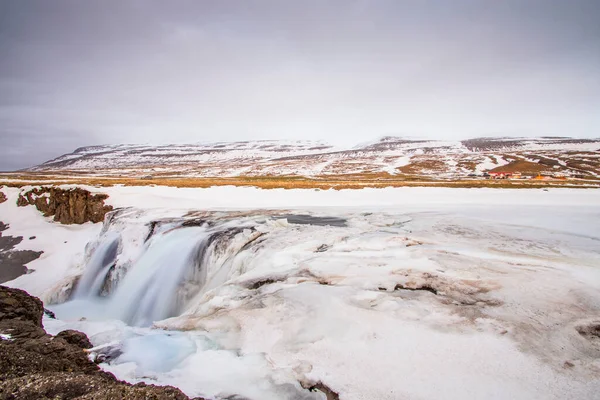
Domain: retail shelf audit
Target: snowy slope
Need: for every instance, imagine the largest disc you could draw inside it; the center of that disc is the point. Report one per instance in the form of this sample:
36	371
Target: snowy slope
388	155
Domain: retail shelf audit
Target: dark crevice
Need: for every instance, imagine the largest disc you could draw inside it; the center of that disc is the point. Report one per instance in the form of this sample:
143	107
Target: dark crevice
253	241
305	219
425	288
151	230
195	222
322	248
108	281
262	282
591	331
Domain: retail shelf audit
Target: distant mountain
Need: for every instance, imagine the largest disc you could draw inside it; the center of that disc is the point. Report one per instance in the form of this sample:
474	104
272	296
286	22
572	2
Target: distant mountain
388	155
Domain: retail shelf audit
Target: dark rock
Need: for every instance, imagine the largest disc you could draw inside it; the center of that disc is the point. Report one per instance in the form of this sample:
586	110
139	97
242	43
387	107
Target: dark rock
257	284
194	222
106	353
590	331
16	304
49	314
32	237
30	351
12	262
326	390
322	248
68	206
2	197
77	338
83	387
22	201
9	242
305	219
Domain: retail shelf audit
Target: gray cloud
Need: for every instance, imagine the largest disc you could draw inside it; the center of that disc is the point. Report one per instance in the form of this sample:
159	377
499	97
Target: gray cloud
76	73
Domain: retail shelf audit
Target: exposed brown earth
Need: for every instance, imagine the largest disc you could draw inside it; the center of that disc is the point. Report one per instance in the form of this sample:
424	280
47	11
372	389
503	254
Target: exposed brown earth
68	206
421	164
524	167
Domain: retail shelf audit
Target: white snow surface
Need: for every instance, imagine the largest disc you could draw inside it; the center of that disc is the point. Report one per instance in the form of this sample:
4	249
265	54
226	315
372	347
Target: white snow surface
515	274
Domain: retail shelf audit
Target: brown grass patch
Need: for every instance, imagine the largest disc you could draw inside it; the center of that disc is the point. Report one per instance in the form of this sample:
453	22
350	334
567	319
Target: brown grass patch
524	167
417	167
324	182
467	165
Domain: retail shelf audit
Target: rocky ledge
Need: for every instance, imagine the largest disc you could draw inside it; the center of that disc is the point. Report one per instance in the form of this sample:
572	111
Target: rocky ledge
68	206
35	365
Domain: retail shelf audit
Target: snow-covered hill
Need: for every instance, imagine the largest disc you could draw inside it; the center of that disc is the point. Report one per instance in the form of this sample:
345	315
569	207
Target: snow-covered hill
388	155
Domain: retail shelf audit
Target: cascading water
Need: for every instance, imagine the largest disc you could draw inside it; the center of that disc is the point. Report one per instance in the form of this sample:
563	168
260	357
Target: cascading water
102	259
149	290
177	262
155	287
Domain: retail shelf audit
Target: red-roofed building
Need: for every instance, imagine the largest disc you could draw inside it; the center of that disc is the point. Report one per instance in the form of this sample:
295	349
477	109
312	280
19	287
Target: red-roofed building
504	175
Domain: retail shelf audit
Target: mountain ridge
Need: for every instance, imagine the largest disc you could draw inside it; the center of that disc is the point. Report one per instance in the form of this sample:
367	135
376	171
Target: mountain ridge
444	159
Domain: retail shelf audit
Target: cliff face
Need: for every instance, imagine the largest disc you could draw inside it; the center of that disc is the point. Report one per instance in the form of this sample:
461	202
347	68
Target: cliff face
35	365
68	206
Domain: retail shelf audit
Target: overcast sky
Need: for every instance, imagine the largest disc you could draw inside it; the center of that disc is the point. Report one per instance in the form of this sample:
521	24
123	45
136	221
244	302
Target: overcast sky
82	72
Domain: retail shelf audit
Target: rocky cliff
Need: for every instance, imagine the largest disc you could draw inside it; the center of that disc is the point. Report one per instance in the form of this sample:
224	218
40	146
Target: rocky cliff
68	206
35	365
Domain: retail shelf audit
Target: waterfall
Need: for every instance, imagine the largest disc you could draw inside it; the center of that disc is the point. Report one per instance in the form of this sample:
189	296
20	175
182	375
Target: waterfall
102	259
175	265
149	290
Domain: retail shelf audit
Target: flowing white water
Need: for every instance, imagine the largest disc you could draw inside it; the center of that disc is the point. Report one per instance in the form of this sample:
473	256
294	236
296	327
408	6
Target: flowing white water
101	261
149	290
170	270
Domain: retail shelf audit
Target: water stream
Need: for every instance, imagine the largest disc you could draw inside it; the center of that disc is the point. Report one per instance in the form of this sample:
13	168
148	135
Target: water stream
152	287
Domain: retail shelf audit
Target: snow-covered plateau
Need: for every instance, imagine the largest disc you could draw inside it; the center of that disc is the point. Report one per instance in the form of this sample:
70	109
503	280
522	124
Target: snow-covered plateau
388	156
396	293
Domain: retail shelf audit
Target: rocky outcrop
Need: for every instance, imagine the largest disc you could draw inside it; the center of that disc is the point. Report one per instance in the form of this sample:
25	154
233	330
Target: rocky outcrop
68	206
2	197
35	365
17	305
76	338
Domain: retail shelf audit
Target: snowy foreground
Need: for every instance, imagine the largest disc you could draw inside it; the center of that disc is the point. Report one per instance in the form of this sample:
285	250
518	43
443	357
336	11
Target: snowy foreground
408	293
